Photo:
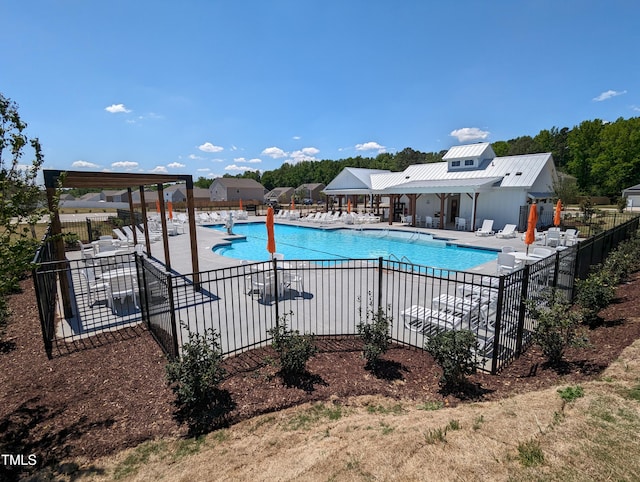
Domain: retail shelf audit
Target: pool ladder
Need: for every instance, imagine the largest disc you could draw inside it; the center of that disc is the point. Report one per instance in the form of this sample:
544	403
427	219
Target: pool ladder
404	259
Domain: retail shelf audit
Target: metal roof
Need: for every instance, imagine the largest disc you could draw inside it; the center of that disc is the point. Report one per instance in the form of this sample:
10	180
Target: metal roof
481	149
352	178
445	185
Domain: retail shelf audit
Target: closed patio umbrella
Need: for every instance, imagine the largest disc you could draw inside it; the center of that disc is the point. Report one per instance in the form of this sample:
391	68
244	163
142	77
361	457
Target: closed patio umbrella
170	206
158	206
349	206
530	235
240	204
293	203
556	217
271	238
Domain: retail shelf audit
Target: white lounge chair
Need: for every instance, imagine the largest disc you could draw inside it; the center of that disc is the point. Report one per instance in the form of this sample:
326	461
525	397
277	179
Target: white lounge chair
509	231
427	321
486	229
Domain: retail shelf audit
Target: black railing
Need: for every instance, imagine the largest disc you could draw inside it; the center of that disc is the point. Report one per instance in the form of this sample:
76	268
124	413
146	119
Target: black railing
325	297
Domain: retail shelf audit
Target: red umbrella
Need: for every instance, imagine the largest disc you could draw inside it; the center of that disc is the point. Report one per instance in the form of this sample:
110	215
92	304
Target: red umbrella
240	204
271	238
349	206
556	217
170	206
530	235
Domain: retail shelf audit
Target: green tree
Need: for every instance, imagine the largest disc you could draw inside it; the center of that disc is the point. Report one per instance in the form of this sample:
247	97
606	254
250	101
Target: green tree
21	199
203	182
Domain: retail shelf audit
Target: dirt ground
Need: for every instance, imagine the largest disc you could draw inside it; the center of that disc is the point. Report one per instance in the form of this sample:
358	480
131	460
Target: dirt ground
110	393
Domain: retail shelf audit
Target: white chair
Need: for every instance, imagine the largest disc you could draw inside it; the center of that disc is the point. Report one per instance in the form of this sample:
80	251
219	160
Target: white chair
509	231
506	263
265	284
486	229
428	222
508	249
291	280
553	238
570	237
93	285
120	288
461	224
541	253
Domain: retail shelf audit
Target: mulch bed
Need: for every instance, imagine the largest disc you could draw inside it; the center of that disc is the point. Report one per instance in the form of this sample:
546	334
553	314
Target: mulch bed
109	394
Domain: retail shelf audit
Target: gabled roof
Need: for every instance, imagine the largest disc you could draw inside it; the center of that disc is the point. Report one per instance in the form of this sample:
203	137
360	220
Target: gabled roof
482	150
633	190
238	182
279	191
353	180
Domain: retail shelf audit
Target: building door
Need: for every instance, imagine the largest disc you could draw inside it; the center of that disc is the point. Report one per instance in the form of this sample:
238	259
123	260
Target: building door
453	208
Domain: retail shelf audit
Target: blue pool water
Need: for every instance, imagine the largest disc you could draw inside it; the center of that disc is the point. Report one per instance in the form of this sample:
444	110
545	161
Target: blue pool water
297	242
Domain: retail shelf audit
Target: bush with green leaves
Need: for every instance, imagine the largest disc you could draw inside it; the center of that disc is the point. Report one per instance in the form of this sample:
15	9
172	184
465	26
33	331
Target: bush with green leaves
374	331
623	261
594	293
454	352
194	378
294	349
557	326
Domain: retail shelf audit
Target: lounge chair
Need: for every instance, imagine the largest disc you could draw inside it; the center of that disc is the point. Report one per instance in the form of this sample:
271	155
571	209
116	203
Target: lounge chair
509	231
486	229
427	321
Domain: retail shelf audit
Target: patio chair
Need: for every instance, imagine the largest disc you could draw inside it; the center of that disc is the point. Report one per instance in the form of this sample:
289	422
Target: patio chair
428	222
428	321
94	286
264	284
124	241
506	263
553	238
120	288
509	231
486	229
461	224
570	237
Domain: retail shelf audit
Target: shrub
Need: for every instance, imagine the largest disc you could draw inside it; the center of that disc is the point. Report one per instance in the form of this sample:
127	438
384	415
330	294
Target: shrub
530	454
294	349
594	293
374	331
454	352
557	326
569	394
194	379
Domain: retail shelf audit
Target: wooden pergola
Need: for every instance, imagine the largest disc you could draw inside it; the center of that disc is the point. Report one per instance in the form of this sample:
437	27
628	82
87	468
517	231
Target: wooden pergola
55	179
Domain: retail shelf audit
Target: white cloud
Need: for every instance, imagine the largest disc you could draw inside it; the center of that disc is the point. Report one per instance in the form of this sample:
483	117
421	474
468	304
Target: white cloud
306	154
159	169
203	169
310	151
255	160
467	134
636	108
233	167
608	95
125	164
250	161
86	164
208	147
117	108
296	138
193	157
176	165
370	146
274	152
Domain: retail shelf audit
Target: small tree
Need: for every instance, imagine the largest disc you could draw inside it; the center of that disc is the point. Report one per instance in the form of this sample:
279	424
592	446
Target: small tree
374	331
21	200
194	379
454	352
557	326
294	349
594	293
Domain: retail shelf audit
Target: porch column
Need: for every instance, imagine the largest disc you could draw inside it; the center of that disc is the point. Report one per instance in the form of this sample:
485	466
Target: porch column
412	208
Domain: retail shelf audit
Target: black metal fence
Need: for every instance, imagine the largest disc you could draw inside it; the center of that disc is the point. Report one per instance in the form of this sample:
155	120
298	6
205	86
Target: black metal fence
325	297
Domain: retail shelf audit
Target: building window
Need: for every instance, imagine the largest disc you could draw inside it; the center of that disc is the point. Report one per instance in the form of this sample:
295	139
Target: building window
455	163
468	162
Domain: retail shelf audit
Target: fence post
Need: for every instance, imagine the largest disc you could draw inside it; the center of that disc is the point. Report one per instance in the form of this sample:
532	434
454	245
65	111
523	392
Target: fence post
523	309
277	288
380	261
172	314
496	333
89	230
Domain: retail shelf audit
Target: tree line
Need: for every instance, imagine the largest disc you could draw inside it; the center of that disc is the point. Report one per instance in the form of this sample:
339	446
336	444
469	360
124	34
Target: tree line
603	157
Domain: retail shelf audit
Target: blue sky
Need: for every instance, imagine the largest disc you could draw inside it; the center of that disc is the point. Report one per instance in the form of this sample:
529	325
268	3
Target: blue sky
215	87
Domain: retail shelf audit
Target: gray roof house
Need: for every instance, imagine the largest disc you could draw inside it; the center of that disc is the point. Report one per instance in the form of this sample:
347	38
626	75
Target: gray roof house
280	195
235	189
311	191
633	196
470	183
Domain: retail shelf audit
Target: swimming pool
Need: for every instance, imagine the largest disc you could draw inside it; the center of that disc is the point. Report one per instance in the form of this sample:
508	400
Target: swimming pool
299	242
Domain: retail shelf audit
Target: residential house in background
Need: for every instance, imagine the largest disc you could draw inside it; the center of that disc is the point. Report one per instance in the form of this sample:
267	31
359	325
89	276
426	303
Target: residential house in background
281	195
311	191
235	189
633	196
